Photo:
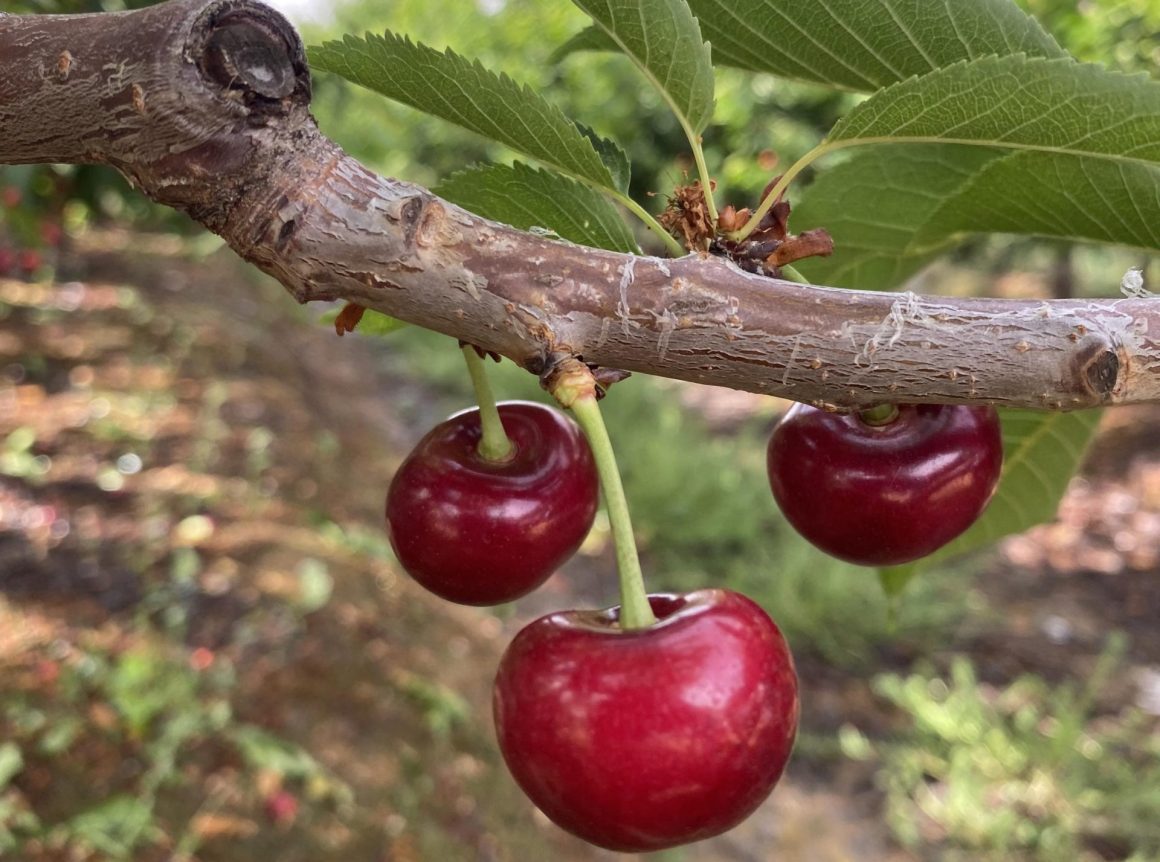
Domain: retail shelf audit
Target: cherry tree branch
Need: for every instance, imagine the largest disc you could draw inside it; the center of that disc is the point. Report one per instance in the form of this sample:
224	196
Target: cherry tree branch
203	105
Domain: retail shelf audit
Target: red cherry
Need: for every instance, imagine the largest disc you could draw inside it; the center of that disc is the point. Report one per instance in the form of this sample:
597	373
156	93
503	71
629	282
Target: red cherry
641	739
881	495
482	532
10	197
30	260
47	672
51	233
281	807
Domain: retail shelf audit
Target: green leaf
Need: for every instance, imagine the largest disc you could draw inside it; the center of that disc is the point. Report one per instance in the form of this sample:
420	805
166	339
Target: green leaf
1060	150
614	158
143	685
1041	452
864	44
876	203
1037	147
891	210
116	827
58	737
463	92
263	750
527	198
591	38
11	762
1051	194
1016	103
663	39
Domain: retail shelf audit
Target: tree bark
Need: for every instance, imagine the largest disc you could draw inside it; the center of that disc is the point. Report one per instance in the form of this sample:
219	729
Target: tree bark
203	105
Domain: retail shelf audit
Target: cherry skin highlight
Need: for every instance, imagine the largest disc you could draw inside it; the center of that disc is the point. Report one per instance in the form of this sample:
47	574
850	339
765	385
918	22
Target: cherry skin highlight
481	532
882	495
642	739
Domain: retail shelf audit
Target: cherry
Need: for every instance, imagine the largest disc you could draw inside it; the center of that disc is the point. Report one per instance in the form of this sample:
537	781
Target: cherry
30	260
884	494
51	233
637	739
482	532
281	807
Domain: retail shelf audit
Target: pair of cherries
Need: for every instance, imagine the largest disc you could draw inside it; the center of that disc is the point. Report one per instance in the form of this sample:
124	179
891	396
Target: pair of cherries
638	739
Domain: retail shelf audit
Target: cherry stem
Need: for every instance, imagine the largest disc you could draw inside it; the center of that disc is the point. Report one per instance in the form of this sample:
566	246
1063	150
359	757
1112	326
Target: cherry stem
673	247
494	444
635	611
703	173
791	274
879	414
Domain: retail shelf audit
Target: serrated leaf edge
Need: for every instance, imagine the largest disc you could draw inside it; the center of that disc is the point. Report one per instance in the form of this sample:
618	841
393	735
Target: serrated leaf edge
351	41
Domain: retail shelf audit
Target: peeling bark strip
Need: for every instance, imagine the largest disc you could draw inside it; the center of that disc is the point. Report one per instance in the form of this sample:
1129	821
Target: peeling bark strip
203	104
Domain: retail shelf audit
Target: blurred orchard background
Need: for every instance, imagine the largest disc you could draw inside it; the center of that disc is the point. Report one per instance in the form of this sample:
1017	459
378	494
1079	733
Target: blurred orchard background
207	651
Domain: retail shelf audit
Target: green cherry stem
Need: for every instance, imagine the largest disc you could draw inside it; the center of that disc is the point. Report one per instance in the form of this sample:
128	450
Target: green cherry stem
494	444
703	174
635	612
673	247
790	273
776	192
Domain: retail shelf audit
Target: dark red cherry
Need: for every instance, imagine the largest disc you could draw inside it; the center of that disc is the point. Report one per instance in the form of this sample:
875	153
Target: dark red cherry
281	807
482	532
641	739
881	495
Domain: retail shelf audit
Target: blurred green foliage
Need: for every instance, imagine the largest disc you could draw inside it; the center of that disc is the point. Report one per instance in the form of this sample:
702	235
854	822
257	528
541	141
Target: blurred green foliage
1121	34
158	708
1028	771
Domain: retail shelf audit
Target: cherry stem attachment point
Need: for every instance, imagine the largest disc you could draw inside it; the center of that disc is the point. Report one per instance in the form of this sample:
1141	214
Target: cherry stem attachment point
779	189
494	444
635	612
879	414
